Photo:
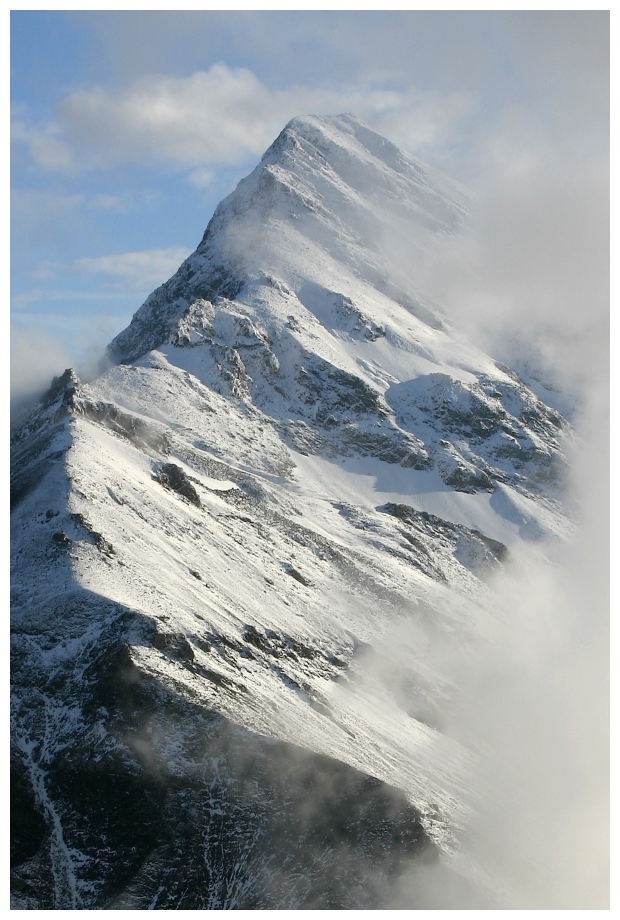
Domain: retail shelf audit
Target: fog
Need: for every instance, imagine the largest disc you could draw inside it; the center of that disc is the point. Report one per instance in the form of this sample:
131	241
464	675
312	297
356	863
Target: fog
38	355
533	701
31	376
529	282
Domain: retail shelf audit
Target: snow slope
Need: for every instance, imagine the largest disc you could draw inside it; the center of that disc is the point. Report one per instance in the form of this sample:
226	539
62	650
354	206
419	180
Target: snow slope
280	508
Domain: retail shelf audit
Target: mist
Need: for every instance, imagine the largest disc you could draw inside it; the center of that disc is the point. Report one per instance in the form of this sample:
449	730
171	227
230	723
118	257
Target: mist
535	703
525	690
38	355
528	281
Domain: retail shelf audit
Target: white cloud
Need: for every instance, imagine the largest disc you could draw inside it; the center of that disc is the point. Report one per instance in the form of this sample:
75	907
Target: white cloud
104	202
46	148
220	116
201	177
540	707
55	219
44	344
139	271
37	355
418	120
145	269
43	216
536	264
32	295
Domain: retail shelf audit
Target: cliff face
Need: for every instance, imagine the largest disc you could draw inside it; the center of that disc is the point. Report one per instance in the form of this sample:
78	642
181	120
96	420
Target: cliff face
236	552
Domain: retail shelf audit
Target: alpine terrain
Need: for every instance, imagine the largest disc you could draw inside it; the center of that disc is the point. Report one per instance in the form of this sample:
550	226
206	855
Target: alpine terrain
244	552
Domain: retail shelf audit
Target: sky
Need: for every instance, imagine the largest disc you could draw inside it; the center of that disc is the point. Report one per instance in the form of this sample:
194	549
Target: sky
128	127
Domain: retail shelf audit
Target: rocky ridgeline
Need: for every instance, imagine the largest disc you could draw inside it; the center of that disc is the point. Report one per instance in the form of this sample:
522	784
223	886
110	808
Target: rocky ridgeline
215	539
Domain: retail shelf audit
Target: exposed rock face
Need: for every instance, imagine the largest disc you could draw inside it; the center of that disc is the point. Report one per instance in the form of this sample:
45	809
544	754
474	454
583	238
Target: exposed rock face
472	548
492	430
173	477
234	551
248	824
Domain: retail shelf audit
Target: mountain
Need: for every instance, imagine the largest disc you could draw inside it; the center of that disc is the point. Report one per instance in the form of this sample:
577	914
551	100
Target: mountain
244	554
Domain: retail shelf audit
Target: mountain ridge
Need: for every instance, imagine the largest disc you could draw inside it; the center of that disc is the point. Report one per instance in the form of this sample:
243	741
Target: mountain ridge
271	521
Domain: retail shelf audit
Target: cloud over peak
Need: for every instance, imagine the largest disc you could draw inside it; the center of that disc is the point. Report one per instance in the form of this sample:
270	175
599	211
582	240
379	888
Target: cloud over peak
223	115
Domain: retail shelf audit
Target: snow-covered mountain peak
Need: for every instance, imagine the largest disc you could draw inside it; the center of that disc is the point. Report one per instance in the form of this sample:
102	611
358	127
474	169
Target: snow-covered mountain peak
330	204
302	302
347	147
236	549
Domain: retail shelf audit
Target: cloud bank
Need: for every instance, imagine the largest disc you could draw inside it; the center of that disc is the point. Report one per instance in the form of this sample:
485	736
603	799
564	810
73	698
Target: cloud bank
222	115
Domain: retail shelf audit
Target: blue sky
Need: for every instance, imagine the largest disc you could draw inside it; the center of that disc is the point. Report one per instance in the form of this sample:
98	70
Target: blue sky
128	127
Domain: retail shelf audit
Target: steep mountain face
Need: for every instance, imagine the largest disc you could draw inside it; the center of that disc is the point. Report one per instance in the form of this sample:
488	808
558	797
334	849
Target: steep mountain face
242	553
